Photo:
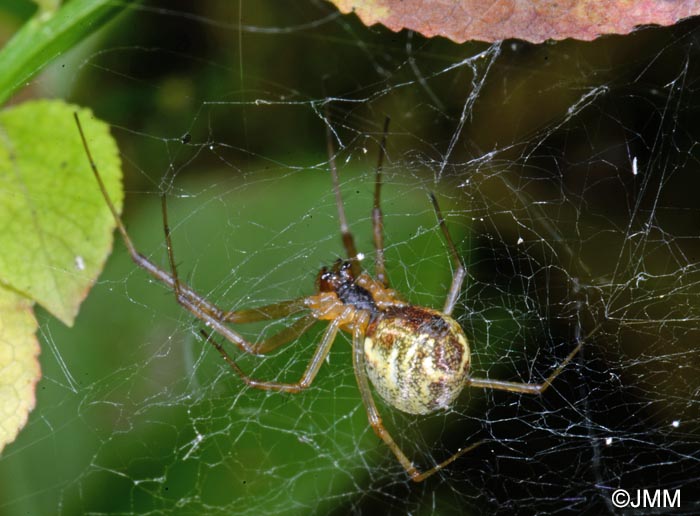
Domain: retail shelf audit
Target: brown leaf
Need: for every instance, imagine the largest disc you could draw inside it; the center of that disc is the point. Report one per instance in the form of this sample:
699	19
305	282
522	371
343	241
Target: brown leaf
533	20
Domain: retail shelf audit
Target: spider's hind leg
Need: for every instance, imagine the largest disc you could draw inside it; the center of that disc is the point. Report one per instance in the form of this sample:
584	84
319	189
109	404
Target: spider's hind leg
526	388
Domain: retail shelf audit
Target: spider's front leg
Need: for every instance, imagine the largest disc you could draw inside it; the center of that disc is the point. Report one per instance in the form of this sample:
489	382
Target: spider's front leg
270	312
324	346
210	314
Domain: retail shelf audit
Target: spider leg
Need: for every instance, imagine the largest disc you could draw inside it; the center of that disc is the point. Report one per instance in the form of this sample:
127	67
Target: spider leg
169	245
207	312
383	297
375	420
527	388
274	311
180	295
285	336
265	313
348	239
324	346
459	270
377	217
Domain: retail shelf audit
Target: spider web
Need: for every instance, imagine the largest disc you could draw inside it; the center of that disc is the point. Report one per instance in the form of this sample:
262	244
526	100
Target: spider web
568	177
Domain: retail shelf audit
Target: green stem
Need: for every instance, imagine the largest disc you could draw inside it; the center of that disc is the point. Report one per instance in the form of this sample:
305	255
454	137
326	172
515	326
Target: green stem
48	35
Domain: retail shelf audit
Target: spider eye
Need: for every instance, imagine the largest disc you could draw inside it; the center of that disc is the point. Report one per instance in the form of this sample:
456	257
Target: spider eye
345	271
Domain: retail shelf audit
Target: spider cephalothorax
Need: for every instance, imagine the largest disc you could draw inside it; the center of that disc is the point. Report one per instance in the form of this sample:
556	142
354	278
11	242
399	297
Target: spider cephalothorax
340	280
417	358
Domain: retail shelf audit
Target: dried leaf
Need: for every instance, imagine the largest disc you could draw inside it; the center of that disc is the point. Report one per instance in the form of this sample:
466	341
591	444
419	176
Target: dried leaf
535	21
19	367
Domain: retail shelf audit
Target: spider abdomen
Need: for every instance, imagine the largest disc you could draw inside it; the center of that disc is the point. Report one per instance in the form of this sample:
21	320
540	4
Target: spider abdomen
417	358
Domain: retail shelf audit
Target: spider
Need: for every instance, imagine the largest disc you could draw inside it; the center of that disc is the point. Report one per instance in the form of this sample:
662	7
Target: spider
416	358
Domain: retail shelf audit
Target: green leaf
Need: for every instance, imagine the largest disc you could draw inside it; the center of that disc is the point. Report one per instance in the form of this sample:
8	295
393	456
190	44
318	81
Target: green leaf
48	6
56	228
50	34
19	367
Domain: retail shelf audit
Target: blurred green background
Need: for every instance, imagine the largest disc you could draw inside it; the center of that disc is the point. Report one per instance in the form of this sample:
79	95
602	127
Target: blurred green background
532	151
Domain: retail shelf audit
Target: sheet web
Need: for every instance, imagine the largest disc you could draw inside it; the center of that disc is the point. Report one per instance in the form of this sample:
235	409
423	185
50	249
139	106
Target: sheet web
568	181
